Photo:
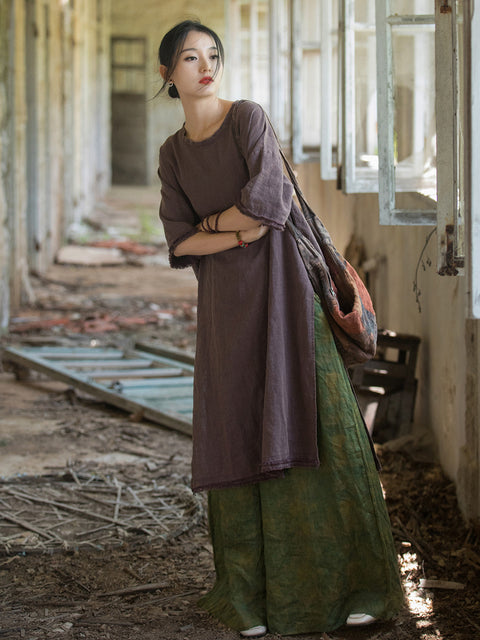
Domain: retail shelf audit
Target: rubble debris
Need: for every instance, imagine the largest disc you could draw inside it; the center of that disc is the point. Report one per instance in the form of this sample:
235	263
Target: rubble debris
89	256
128	246
440	584
49	501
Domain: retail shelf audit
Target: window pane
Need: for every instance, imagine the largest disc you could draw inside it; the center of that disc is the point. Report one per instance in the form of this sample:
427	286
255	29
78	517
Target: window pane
245	16
366	151
414	116
251	79
311	93
310	21
412	7
330	92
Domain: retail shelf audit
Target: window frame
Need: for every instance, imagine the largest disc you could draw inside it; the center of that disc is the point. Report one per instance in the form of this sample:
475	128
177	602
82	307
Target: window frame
441	213
472	160
389	214
351	181
298	46
329	169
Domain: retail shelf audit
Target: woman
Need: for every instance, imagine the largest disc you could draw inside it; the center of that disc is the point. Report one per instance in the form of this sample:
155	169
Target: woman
299	527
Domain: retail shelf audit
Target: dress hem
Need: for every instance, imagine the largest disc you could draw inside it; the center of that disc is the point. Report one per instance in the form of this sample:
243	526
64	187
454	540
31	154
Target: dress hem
270	471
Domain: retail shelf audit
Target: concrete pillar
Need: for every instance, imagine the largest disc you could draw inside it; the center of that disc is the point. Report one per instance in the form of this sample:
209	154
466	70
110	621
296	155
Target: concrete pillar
5	14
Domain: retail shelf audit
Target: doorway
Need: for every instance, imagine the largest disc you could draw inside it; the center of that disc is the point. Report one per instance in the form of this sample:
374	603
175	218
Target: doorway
129	115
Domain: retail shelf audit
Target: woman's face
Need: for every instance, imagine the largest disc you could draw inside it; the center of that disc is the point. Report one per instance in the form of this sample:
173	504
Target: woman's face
198	70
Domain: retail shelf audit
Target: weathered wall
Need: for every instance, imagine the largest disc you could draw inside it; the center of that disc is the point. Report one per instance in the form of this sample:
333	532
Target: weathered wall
4	231
54	130
13	234
164	115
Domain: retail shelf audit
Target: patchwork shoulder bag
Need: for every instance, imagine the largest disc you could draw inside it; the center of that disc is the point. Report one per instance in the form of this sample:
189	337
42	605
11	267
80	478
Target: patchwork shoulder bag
345	299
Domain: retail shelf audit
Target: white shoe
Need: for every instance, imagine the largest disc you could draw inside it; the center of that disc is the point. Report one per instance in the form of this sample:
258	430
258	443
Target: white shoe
360	619
254	632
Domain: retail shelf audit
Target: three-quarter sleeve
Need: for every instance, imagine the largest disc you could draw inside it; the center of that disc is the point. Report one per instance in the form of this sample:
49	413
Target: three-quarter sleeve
176	213
267	196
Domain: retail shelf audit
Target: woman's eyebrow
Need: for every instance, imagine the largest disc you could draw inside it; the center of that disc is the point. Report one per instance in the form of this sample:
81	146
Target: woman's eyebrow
194	49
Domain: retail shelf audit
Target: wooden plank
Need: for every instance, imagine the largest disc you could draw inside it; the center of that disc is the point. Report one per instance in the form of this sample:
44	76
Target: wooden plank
60	353
99	364
168	393
118	374
156	383
166	351
166	361
385	368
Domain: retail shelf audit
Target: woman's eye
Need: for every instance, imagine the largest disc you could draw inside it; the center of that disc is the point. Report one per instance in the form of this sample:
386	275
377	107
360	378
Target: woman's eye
190	58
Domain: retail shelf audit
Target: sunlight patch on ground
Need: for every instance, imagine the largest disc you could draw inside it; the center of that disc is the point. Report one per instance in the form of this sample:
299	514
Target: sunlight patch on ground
418	600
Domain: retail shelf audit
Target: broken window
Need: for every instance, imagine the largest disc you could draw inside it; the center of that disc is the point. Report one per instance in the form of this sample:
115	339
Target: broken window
375	90
420	58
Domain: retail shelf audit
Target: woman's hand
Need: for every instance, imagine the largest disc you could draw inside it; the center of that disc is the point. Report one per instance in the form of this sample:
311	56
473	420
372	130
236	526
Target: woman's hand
251	235
204	244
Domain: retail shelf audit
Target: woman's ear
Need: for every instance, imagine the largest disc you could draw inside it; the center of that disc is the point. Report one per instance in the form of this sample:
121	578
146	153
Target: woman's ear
163	72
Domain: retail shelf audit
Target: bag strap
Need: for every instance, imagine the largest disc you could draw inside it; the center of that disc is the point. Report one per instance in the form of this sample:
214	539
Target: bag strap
306	209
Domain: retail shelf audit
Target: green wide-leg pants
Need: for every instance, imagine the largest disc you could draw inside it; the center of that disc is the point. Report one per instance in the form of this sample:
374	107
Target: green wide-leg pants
300	553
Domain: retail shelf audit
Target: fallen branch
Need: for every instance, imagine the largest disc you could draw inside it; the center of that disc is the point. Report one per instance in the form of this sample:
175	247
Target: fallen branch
142	588
440	584
26	525
83	512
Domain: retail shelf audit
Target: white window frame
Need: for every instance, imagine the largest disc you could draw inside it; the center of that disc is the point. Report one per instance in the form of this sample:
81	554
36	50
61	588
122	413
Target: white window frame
472	160
299	46
232	10
353	181
279	68
443	211
389	214
329	166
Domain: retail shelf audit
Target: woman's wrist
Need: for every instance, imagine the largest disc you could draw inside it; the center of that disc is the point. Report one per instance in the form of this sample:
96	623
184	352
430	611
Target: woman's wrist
209	224
241	243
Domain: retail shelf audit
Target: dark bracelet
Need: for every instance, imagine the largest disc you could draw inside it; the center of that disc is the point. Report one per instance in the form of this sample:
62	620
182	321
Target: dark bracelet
207	226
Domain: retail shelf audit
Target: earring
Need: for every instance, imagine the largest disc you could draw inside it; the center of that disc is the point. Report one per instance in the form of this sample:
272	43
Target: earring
170	84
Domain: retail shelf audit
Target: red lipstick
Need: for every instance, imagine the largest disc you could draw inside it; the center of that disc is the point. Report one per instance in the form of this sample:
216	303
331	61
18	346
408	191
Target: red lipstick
206	80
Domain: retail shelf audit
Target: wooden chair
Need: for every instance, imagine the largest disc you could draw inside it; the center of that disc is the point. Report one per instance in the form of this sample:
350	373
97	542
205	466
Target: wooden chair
386	386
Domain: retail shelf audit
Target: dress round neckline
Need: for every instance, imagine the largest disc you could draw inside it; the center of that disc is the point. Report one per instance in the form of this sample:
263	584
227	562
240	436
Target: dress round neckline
212	137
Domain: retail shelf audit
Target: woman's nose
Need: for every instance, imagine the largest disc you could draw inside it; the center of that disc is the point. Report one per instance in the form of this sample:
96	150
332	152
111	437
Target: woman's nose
205	65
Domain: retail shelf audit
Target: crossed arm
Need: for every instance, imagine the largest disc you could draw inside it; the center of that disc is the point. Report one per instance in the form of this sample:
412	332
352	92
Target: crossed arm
228	222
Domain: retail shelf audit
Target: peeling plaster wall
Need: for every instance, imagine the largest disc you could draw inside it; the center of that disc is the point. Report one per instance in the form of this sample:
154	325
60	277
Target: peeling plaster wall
54	131
13	240
164	115
4	231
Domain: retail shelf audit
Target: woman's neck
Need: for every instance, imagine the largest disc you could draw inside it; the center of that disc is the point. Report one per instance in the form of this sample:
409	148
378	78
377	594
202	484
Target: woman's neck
204	117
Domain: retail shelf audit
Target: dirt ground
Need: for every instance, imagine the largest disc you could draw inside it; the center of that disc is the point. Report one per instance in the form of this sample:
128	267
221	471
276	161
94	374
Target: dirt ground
140	575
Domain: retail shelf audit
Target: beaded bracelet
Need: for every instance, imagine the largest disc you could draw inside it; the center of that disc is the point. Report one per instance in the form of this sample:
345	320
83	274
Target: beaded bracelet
240	242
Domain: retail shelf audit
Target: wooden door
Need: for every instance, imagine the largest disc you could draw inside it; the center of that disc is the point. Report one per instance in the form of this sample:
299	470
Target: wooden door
129	126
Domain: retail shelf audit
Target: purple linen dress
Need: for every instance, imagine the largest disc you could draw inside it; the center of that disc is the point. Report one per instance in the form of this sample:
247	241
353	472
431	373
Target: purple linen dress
254	394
